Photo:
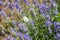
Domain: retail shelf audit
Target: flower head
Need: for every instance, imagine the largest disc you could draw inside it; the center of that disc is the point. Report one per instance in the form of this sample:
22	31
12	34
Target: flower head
43	8
56	24
48	23
20	34
27	37
23	27
55	12
53	3
58	35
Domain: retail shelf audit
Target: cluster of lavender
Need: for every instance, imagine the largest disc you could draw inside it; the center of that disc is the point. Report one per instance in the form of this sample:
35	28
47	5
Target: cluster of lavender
52	18
29	21
13	29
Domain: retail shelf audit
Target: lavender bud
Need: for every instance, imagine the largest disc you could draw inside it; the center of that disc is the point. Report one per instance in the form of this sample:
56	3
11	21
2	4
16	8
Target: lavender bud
27	37
32	23
23	27
48	23
56	24
55	12
19	34
58	36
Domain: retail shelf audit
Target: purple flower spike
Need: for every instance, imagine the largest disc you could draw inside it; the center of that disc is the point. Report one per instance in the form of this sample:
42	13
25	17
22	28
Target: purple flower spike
53	3
36	3
27	37
32	23
56	24
25	1
48	17
22	27
19	34
43	8
20	10
56	12
5	39
11	6
17	6
1	2
28	3
58	36
9	37
48	23
4	14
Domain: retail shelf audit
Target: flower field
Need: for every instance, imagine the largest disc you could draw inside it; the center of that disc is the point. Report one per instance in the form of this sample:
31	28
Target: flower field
29	19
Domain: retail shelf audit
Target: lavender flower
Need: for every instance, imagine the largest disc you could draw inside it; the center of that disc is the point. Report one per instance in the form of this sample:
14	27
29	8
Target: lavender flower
16	4
58	36
55	12
53	3
48	23
32	23
20	10
5	39
11	6
56	24
43	8
28	3
23	27
13	38
20	27
20	35
31	9
10	37
27	37
1	2
3	13
48	17
36	3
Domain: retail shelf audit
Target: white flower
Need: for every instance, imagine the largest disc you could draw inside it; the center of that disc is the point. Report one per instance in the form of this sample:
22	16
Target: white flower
25	19
7	18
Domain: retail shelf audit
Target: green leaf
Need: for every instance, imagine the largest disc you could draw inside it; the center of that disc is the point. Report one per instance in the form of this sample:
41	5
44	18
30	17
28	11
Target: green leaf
58	20
17	38
59	14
